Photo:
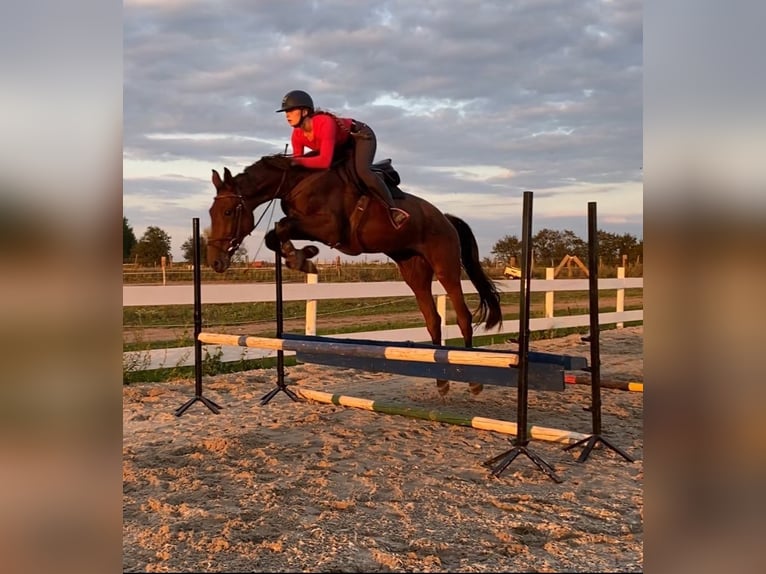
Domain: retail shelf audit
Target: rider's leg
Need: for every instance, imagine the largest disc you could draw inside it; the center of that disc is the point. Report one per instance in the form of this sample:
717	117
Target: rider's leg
364	153
378	188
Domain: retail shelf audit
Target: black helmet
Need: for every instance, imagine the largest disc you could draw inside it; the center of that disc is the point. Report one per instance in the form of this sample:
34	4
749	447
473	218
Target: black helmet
296	99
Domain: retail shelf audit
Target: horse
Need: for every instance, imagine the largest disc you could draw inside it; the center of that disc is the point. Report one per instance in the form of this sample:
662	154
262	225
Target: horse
328	206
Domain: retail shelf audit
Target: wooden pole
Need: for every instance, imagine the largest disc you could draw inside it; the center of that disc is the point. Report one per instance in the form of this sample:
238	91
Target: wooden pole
441	308
620	303
505	427
311	307
633	386
425	355
549	306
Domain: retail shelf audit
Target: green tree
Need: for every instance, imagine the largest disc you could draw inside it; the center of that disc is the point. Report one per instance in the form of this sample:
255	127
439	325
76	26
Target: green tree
187	249
612	247
128	239
152	247
638	254
630	246
551	245
608	248
506	248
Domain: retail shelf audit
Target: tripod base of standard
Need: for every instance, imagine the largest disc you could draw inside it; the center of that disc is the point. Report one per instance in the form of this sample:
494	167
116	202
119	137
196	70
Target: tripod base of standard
591	442
504	459
205	401
272	393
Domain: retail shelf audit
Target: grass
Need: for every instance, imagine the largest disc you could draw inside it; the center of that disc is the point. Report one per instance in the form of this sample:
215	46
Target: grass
385	313
210	366
230	314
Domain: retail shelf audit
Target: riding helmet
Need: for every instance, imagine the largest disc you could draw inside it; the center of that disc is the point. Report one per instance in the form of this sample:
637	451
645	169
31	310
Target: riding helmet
296	99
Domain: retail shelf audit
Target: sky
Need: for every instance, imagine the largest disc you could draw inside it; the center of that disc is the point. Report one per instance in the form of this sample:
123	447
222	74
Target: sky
475	102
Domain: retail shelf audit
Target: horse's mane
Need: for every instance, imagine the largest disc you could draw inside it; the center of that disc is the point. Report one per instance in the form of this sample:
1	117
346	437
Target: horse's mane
278	160
283	162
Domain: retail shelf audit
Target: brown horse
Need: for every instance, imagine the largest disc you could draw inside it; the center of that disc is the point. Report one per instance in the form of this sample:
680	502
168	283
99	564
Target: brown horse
327	206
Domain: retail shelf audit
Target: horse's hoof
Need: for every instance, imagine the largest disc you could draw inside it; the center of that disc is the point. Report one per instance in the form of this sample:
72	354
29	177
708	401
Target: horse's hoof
309	267
442	387
291	260
475	388
310	251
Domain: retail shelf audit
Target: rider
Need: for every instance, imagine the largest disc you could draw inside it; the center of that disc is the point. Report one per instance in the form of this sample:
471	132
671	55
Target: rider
322	132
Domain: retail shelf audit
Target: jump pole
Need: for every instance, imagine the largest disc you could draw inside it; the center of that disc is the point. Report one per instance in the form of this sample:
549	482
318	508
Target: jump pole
481	423
391	353
633	386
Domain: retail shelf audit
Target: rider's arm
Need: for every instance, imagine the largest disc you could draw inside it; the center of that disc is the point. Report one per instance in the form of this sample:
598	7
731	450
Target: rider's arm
325	134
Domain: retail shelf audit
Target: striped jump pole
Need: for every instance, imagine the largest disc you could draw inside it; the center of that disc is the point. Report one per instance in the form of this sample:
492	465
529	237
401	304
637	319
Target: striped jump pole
482	423
391	353
633	386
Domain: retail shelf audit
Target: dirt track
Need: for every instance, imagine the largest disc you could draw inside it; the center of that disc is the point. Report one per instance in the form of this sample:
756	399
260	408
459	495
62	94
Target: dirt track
300	486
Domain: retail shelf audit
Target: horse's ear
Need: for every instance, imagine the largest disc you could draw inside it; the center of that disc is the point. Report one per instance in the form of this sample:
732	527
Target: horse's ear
227	177
217	180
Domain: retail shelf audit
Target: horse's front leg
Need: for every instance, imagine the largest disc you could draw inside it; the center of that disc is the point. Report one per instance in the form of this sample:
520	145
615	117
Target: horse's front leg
278	240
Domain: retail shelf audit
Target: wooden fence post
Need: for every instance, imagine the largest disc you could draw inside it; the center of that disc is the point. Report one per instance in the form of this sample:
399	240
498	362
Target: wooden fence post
620	306
311	307
549	274
441	308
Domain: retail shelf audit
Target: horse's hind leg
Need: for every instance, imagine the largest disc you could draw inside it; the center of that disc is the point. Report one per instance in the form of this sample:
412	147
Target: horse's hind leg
417	273
450	280
463	316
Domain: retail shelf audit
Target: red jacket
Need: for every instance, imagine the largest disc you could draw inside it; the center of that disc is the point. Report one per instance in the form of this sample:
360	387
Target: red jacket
327	135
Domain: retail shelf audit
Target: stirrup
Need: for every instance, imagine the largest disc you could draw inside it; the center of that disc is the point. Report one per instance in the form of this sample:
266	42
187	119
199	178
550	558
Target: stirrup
397	216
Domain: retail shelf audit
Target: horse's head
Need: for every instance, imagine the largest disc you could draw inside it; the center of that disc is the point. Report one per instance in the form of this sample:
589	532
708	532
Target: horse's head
231	215
231	220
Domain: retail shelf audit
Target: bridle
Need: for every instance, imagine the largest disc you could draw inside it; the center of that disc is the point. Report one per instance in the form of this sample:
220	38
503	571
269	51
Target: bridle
235	241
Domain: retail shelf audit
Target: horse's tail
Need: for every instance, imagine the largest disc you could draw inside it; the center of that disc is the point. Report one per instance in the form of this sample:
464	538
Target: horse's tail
489	309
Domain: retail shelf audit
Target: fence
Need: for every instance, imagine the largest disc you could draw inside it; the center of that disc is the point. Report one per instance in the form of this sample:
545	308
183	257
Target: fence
312	292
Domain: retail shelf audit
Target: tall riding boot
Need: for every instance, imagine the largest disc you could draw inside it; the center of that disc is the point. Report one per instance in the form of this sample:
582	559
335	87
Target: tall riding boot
396	215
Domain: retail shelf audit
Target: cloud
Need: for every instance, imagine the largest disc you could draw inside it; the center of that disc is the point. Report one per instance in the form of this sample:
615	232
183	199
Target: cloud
475	103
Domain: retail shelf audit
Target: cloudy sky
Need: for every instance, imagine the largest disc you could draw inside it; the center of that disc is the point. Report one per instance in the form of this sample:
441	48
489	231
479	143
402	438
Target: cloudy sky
475	101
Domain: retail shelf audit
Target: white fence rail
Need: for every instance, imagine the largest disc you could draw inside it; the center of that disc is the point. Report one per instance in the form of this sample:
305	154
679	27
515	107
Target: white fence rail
313	292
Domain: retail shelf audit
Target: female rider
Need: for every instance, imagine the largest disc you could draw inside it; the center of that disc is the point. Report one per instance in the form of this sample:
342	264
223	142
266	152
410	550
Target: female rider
323	132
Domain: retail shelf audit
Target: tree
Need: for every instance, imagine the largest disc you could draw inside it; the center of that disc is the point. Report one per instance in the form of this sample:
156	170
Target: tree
152	247
187	250
612	247
506	248
128	239
550	246
630	246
